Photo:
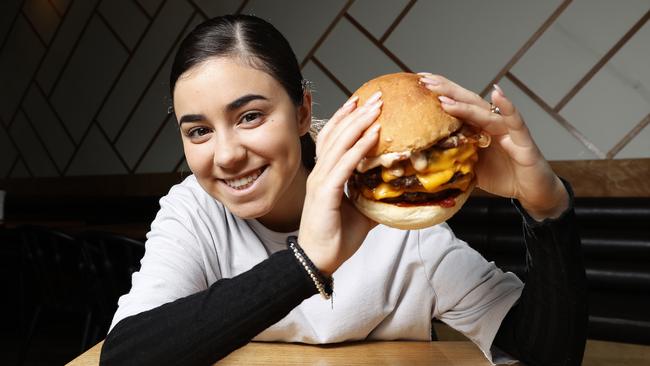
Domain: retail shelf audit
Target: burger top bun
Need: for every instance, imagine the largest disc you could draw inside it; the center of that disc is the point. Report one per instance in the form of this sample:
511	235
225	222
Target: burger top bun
409	217
411	117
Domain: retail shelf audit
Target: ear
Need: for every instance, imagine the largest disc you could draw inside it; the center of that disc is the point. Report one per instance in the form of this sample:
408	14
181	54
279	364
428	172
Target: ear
304	114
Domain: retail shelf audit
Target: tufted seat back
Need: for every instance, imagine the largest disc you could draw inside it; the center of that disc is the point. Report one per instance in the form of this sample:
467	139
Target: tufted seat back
615	235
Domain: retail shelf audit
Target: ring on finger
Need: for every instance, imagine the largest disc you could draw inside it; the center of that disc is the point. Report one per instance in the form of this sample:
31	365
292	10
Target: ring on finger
494	109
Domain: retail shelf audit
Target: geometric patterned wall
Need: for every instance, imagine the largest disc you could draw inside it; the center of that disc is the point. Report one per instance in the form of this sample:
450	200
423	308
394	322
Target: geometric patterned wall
85	82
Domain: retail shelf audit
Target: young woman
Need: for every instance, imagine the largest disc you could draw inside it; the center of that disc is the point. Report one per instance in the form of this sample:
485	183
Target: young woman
217	272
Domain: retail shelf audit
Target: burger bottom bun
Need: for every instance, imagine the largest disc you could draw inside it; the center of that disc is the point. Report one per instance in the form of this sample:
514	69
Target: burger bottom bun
410	217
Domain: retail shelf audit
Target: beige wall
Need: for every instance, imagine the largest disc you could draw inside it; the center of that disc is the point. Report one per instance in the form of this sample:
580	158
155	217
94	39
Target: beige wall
84	82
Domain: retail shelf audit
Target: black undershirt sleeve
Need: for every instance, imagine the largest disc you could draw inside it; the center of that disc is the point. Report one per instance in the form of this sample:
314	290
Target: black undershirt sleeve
548	325
205	327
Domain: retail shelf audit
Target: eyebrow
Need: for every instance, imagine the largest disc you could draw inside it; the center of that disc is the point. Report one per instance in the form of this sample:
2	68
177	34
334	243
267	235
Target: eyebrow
237	103
191	118
234	105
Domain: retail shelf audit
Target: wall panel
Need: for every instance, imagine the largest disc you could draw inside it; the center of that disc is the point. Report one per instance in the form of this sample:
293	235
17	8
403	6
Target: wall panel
88	79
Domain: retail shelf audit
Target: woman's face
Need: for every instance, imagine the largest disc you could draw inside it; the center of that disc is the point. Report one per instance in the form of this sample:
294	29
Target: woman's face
241	135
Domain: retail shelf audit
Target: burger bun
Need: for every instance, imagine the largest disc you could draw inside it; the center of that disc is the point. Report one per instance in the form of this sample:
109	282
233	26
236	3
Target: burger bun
408	217
411	117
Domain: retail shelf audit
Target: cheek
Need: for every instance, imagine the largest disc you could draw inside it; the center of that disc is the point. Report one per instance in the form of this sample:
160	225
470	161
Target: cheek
285	149
198	158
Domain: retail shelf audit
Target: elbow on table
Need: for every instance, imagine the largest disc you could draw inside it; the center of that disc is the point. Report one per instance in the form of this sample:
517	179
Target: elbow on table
114	349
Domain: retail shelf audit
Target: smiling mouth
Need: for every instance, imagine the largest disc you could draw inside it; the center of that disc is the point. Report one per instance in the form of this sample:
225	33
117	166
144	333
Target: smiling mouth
246	181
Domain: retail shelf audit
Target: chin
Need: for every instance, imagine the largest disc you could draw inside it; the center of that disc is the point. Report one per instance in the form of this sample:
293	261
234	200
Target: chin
421	171
249	210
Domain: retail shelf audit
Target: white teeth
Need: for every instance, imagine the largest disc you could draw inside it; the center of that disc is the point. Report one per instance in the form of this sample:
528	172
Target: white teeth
241	183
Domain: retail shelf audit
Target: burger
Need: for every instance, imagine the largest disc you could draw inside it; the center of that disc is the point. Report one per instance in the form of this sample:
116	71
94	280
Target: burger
421	171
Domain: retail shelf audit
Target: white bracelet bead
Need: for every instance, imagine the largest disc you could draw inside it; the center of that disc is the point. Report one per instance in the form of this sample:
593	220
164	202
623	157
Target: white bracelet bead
314	278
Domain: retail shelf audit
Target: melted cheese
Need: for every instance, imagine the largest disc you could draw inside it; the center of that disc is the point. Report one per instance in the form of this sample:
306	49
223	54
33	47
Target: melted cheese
431	181
466	168
402	169
441	167
389	174
444	164
385	190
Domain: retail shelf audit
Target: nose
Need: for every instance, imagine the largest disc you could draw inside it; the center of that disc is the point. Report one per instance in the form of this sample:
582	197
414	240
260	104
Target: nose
229	152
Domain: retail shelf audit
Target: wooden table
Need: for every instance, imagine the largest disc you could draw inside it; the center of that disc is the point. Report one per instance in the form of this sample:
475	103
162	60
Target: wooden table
362	353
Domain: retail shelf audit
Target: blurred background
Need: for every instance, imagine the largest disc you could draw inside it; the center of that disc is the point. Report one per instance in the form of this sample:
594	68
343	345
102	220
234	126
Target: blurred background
87	146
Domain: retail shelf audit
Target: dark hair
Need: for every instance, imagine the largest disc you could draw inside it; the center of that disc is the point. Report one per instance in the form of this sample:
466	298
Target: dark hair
254	41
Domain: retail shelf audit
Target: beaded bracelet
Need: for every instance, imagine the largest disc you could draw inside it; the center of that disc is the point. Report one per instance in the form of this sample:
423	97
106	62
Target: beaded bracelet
324	285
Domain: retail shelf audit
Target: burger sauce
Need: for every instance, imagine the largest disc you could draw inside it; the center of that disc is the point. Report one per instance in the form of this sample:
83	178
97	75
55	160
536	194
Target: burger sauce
445	202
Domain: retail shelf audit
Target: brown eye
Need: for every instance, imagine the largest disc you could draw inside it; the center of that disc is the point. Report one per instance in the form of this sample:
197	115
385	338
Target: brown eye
198	132
251	118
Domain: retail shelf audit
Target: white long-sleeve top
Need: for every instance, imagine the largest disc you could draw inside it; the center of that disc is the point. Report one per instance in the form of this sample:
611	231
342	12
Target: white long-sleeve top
389	289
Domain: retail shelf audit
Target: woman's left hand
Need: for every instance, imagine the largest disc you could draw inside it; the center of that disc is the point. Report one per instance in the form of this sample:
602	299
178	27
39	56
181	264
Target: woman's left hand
513	165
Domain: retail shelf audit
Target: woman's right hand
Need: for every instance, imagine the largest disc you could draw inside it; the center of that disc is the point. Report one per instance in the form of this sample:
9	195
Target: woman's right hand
331	228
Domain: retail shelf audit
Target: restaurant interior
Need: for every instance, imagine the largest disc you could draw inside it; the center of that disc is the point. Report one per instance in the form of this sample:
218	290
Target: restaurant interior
88	146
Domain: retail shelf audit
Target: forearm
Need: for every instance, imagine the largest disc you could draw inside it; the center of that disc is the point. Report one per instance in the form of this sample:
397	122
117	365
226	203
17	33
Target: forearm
548	324
555	201
204	327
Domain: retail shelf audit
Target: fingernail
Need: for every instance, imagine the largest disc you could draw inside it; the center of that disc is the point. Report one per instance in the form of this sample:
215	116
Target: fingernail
499	90
446	100
430	81
375	128
351	101
373	98
374	106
